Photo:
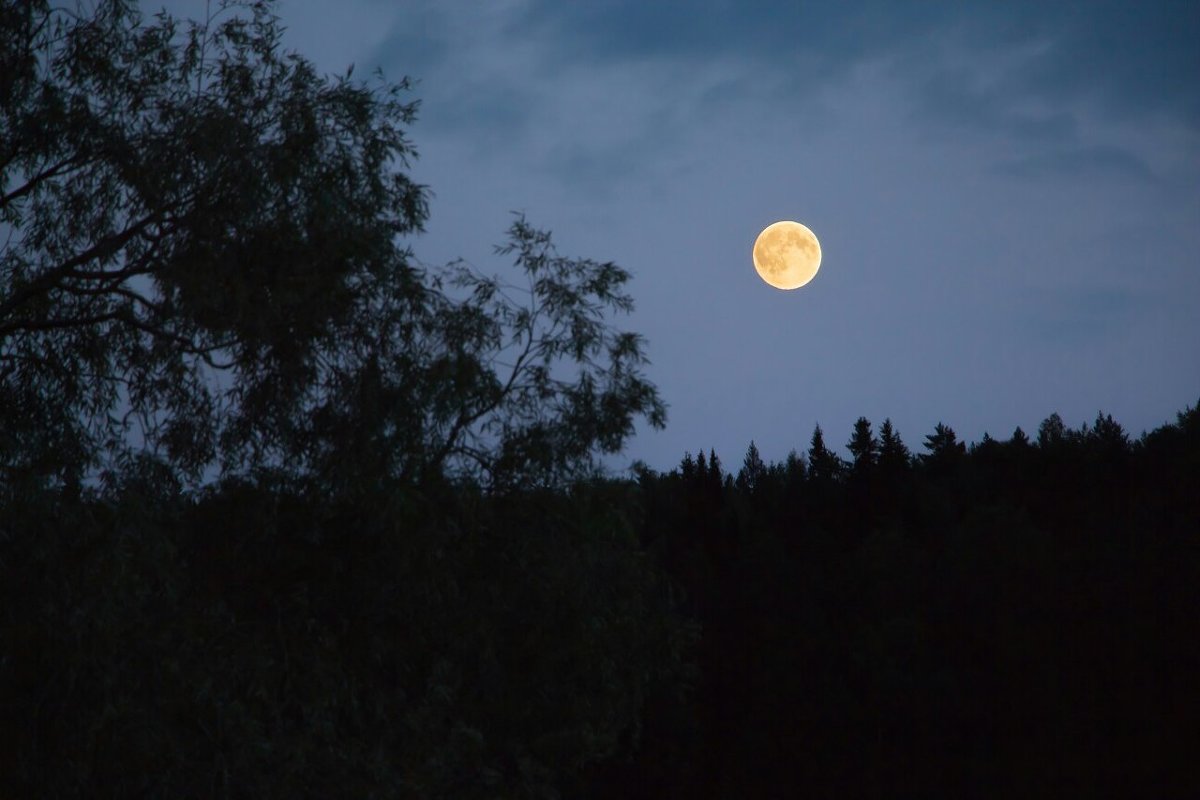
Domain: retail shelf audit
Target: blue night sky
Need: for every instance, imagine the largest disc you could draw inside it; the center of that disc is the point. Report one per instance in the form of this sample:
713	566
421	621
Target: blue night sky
1007	195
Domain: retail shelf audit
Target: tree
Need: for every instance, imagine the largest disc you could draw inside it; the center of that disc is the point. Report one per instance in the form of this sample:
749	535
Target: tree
823	465
483	379
944	448
1108	435
687	467
893	453
715	471
863	447
179	203
793	469
986	448
1052	433
205	258
203	267
753	469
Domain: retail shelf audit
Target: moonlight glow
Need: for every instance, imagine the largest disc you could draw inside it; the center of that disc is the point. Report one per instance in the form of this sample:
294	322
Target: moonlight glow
787	255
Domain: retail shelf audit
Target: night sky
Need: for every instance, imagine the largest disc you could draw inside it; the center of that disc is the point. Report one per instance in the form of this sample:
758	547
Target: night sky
1007	195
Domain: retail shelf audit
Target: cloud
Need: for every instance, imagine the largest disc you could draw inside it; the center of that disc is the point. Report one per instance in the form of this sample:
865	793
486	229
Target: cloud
600	90
1084	314
1135	58
1080	162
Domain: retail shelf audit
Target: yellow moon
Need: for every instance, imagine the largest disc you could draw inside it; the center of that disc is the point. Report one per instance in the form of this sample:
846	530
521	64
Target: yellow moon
787	255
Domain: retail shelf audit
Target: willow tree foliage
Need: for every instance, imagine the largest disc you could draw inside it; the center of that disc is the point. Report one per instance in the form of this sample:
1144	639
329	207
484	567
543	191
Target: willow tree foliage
203	259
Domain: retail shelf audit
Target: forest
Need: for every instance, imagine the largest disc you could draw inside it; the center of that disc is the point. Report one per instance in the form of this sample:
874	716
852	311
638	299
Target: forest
1011	618
285	512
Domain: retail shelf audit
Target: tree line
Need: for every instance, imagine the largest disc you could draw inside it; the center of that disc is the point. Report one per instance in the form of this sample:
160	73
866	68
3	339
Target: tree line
1009	618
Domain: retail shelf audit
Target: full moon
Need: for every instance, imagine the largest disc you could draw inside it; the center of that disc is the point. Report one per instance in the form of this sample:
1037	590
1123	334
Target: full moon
787	255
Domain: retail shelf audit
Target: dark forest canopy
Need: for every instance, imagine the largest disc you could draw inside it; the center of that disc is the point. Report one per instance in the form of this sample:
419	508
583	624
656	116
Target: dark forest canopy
1008	618
1011	618
286	513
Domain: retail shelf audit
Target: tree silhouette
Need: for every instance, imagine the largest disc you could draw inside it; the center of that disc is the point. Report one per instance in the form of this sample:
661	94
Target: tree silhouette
944	448
864	448
687	467
180	203
1052	432
715	470
894	457
793	470
1109	435
1019	438
823	465
753	469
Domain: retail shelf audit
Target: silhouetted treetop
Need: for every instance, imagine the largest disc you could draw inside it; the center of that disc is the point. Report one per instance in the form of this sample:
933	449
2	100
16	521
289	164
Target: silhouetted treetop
863	447
893	453
823	464
1053	432
716	472
1108	434
943	446
688	466
753	469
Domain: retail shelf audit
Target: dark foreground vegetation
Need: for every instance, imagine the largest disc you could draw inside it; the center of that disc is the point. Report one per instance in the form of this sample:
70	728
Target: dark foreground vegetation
286	513
1013	619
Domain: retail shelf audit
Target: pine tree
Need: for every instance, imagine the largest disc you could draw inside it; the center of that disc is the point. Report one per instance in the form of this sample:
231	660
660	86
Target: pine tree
944	447
753	469
893	453
793	467
1019	438
687	467
863	447
986	446
823	465
716	474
